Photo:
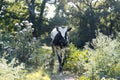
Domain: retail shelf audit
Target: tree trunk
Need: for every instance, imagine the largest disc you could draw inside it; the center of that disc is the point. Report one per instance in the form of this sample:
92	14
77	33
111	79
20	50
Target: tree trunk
41	15
31	9
1	3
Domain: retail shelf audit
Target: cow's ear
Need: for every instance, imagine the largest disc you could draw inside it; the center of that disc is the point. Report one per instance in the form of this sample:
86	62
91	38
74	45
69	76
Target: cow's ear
69	28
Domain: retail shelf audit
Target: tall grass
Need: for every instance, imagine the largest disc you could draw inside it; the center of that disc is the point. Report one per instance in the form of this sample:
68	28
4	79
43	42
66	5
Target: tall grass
8	71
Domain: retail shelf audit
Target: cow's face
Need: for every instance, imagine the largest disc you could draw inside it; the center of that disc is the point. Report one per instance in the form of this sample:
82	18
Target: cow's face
61	36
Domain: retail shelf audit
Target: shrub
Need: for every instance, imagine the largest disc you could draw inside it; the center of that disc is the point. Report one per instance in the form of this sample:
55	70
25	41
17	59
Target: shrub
22	45
83	78
41	58
115	70
75	59
103	58
19	43
8	71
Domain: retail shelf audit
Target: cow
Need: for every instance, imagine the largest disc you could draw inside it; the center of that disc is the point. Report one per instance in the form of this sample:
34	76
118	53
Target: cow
60	40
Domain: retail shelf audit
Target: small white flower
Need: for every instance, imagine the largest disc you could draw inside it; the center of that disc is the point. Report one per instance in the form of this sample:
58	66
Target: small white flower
15	32
32	29
30	24
21	31
25	22
21	24
34	38
29	27
11	36
16	24
6	47
1	42
24	29
103	78
30	58
109	64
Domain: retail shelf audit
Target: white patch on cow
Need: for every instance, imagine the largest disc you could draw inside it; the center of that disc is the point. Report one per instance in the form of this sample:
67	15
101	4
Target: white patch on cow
62	31
53	33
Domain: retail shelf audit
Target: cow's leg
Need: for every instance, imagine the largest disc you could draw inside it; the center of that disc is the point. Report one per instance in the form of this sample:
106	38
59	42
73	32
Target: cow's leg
52	57
64	57
59	55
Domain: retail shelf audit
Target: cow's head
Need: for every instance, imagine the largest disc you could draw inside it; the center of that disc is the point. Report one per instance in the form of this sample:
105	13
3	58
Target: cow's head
59	36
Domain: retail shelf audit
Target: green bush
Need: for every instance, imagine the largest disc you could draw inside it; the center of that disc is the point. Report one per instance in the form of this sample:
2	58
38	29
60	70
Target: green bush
75	59
12	13
10	71
22	45
115	70
101	62
41	58
83	78
13	71
104	59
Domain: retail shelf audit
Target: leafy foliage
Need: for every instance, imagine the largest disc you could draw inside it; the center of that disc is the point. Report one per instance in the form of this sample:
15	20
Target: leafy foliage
10	71
88	16
23	46
85	16
12	13
103	58
97	63
75	60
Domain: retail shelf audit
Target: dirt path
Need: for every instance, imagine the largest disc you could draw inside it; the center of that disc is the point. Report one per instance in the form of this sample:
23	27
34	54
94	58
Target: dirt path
63	77
66	75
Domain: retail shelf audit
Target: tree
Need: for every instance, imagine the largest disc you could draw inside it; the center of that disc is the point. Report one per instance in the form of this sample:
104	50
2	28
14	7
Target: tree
83	11
41	15
93	16
1	4
32	16
33	5
12	13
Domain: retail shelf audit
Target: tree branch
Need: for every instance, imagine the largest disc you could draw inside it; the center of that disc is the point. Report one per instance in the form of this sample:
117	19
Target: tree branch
1	3
31	7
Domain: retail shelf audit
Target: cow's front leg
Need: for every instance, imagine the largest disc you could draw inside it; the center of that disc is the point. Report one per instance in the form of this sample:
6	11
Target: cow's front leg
52	57
60	61
64	60
64	57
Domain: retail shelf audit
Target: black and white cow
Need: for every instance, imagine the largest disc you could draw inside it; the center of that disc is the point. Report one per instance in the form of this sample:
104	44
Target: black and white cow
60	41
